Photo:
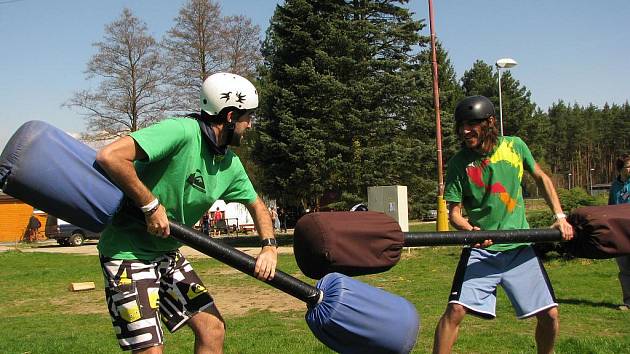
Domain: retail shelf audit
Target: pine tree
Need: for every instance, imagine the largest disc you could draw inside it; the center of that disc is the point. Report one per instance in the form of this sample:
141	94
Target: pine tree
341	103
518	109
481	80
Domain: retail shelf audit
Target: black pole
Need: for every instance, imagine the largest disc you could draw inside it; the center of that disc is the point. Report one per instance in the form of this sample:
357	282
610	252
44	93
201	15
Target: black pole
450	238
243	262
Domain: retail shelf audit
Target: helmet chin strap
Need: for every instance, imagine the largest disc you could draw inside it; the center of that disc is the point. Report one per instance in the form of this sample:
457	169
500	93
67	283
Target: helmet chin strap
229	131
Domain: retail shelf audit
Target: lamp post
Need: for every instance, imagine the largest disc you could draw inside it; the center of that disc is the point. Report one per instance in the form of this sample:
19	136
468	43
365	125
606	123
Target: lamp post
590	177
503	63
569	178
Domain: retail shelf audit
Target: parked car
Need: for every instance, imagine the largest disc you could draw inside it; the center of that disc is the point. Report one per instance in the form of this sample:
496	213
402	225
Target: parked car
67	234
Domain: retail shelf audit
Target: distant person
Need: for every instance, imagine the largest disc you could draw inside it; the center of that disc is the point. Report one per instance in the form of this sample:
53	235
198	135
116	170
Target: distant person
205	223
282	216
276	223
620	194
484	177
216	220
32	229
274	217
177	168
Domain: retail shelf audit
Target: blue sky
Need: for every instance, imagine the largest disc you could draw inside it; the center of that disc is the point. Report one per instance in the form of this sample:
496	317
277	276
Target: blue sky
574	50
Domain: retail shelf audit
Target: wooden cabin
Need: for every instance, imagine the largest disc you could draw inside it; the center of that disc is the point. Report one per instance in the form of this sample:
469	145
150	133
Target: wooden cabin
14	217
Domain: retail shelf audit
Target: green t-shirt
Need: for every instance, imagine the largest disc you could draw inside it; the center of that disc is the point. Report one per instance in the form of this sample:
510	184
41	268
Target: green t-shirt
489	186
185	176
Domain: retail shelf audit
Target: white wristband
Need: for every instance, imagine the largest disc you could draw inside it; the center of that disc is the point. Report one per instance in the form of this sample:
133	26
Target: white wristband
152	204
559	216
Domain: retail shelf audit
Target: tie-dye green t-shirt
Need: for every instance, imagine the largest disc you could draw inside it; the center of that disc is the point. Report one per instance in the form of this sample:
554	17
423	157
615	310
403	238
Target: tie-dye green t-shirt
489	186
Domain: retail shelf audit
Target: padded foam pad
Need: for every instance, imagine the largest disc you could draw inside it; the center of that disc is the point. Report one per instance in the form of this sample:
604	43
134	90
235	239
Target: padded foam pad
50	170
358	318
346	242
600	231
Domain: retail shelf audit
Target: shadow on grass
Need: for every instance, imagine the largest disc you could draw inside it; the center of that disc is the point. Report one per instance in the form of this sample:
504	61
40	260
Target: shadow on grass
582	302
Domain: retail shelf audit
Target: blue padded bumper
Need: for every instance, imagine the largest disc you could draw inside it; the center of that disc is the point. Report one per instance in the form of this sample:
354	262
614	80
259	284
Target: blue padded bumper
45	167
357	318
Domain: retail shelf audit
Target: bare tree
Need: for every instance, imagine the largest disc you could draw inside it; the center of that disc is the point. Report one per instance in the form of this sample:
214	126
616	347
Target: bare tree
130	92
193	48
241	45
202	43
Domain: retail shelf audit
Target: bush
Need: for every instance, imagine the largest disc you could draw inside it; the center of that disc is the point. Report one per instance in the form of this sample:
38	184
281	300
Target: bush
575	198
539	219
570	200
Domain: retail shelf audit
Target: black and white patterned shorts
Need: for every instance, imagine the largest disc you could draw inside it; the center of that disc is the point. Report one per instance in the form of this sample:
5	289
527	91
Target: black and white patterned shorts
138	293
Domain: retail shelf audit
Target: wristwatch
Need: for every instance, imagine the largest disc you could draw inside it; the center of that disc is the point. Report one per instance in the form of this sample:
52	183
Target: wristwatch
269	242
559	216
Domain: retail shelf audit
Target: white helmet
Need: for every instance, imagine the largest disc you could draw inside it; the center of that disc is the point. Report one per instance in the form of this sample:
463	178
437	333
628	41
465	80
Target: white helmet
227	90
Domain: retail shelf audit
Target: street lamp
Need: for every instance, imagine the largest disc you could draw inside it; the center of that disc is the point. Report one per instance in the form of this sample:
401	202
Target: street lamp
590	176
503	63
569	175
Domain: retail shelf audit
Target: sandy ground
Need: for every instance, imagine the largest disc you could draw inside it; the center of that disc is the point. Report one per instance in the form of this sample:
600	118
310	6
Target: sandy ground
231	301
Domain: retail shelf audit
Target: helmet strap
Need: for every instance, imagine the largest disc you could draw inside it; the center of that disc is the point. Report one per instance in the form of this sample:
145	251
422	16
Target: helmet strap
228	129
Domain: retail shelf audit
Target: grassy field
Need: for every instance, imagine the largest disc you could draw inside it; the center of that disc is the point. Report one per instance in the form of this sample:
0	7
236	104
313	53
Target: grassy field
40	315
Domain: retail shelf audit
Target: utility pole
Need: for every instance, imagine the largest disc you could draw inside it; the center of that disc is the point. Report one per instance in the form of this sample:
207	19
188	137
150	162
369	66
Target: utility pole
442	215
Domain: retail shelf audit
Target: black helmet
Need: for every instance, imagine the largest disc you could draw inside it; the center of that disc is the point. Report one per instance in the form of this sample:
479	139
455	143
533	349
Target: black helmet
474	108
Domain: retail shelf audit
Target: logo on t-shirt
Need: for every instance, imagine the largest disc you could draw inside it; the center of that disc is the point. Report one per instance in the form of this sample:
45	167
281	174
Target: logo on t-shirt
196	181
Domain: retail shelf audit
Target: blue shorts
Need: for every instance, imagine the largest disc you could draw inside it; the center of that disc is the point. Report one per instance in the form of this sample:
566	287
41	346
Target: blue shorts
518	271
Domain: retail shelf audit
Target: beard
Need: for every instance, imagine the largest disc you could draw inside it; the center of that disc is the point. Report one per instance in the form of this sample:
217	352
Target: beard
486	137
237	138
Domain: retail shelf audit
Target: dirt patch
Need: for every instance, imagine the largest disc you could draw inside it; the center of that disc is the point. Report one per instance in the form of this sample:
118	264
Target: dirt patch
231	301
86	302
238	301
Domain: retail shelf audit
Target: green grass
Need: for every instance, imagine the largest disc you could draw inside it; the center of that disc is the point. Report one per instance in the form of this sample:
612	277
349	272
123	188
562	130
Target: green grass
422	227
40	315
425	227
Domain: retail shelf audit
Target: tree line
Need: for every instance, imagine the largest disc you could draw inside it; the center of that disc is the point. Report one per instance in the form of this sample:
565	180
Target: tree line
345	99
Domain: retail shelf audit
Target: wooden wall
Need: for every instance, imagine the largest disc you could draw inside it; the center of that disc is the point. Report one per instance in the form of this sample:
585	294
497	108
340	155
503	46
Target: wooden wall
14	217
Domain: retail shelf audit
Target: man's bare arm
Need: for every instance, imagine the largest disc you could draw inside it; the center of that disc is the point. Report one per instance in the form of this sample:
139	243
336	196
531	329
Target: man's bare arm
268	257
551	197
117	160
